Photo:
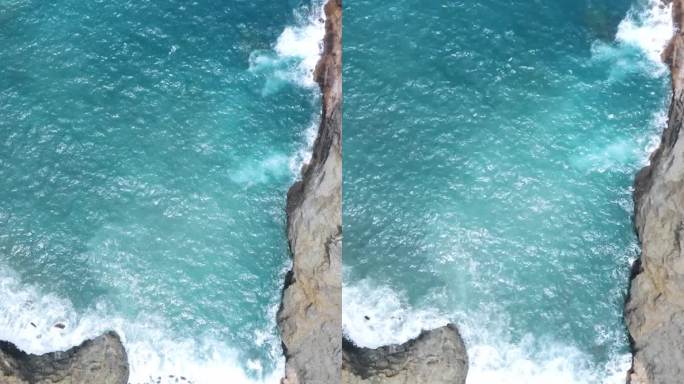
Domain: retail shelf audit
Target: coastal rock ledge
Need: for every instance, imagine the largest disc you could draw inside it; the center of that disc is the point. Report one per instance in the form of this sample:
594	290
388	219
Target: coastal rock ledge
436	357
309	316
101	360
654	310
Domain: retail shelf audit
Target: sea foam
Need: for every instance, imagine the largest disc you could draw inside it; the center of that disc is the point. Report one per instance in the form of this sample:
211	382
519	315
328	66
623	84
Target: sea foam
647	26
642	34
28	318
640	39
293	58
304	42
377	315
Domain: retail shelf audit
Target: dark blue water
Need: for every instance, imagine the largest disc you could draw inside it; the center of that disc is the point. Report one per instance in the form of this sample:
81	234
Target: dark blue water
490	149
145	152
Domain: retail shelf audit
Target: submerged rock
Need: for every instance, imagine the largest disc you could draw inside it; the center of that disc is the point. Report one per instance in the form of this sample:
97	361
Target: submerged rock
654	310
101	360
309	316
436	357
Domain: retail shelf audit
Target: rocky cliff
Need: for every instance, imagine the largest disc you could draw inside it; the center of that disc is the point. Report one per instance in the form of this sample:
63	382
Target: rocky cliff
101	360
654	311
309	317
436	357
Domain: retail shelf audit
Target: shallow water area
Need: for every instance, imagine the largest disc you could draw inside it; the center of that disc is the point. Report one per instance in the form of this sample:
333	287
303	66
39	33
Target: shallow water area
488	177
145	154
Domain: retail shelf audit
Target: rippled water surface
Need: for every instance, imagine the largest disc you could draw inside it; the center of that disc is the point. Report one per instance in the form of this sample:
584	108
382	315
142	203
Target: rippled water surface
490	149
145	152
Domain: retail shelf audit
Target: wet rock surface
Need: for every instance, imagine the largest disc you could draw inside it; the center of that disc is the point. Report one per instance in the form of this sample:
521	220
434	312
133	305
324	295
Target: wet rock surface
654	311
437	357
101	360
309	317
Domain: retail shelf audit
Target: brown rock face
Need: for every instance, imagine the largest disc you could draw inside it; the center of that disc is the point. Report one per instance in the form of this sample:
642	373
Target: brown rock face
310	314
101	360
654	311
436	357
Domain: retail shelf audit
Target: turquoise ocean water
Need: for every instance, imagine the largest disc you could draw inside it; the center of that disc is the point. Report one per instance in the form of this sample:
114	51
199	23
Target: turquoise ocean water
145	152
490	149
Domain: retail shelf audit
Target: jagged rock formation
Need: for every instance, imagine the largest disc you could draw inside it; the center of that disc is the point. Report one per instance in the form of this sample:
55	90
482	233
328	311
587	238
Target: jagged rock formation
101	360
654	311
436	357
309	317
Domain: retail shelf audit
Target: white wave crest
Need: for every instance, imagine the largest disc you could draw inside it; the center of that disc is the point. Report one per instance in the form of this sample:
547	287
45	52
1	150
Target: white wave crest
376	315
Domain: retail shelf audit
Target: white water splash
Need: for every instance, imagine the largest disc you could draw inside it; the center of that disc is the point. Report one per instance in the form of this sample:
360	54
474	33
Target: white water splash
513	363
295	54
373	316
648	27
28	318
293	60
304	43
376	315
642	34
621	154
